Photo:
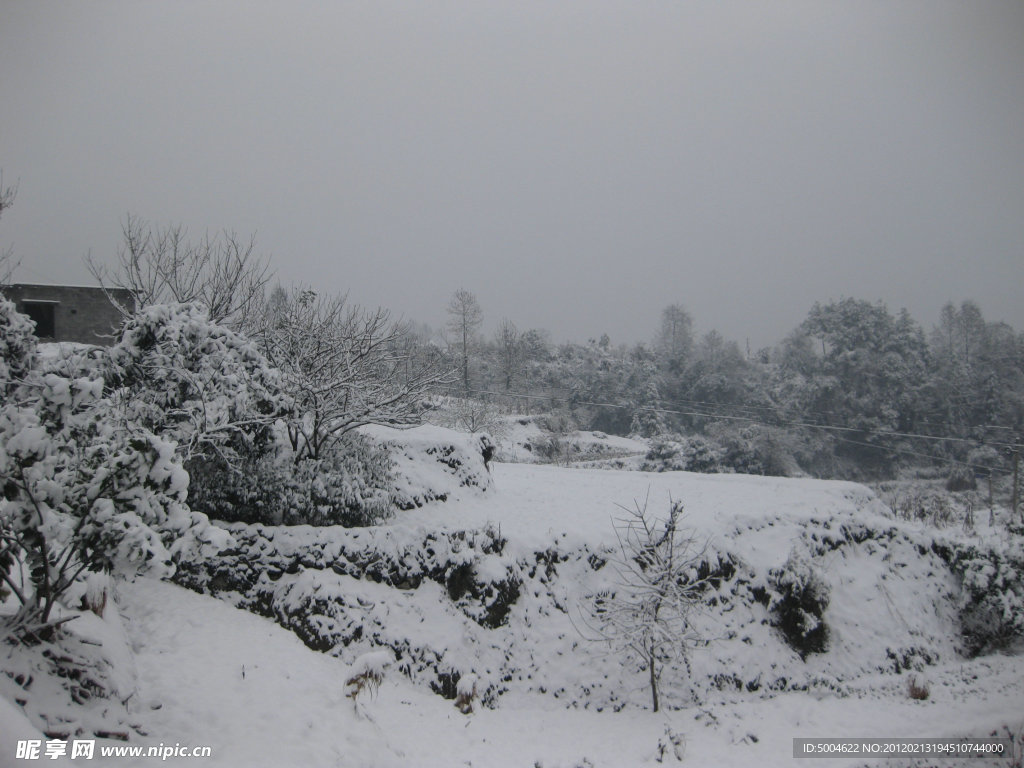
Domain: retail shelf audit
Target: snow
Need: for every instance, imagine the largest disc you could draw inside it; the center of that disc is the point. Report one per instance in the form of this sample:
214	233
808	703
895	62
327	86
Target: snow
373	663
531	502
467	685
525	441
15	727
207	673
432	462
214	675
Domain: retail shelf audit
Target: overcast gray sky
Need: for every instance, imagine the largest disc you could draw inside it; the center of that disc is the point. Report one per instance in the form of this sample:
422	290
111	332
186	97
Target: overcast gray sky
578	165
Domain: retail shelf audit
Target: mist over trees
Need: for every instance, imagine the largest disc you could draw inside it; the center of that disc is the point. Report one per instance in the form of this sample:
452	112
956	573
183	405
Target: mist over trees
855	391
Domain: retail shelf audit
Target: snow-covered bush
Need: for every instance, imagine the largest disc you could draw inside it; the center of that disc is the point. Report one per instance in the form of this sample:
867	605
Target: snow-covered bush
992	598
918	501
350	485
750	450
466	693
961	478
755	449
798	607
432	463
179	375
917	690
17	346
81	490
78	494
367	673
687	454
83	681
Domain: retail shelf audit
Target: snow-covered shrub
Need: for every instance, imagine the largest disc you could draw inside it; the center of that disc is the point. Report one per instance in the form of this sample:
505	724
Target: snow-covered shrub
179	375
961	478
466	693
367	673
750	450
918	501
432	463
82	682
992	598
754	449
81	490
798	607
559	422
17	345
350	485
688	454
673	744
917	690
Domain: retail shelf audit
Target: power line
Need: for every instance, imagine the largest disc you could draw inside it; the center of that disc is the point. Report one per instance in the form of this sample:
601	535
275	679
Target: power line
782	422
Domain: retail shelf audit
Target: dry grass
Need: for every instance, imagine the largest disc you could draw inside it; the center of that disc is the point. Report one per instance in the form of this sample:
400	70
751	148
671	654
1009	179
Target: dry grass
466	698
917	691
364	681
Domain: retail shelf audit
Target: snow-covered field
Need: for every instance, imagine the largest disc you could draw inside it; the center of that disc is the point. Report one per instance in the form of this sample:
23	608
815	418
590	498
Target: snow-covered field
254	693
210	674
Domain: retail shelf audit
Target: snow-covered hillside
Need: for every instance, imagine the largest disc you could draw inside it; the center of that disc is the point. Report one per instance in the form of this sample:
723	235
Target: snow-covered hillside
255	694
499	584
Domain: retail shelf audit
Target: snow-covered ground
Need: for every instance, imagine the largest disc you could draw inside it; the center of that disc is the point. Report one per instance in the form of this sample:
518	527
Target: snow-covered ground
212	675
209	674
525	440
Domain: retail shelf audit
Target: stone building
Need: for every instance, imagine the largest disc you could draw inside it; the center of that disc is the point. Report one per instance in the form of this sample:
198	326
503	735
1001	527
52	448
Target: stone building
70	312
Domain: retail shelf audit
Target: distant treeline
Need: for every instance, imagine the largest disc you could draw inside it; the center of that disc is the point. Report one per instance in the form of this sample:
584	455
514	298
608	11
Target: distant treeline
854	391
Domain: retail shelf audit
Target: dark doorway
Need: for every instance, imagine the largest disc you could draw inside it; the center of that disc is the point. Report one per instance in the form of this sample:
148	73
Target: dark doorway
42	313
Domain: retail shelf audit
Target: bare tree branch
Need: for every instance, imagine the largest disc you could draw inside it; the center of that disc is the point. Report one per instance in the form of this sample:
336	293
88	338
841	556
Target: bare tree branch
161	265
7	262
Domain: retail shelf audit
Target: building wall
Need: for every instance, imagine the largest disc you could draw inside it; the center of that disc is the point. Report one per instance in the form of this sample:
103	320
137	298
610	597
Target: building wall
80	313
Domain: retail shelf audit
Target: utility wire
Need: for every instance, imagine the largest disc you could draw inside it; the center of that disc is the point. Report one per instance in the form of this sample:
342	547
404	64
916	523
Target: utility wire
782	422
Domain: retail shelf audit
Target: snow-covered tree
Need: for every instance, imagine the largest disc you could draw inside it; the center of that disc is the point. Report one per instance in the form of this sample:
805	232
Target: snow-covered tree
865	377
674	340
81	491
977	374
343	366
648	614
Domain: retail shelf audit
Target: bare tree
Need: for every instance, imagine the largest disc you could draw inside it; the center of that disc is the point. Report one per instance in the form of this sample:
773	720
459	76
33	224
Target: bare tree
343	366
160	265
473	415
509	342
648	614
465	317
7	262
